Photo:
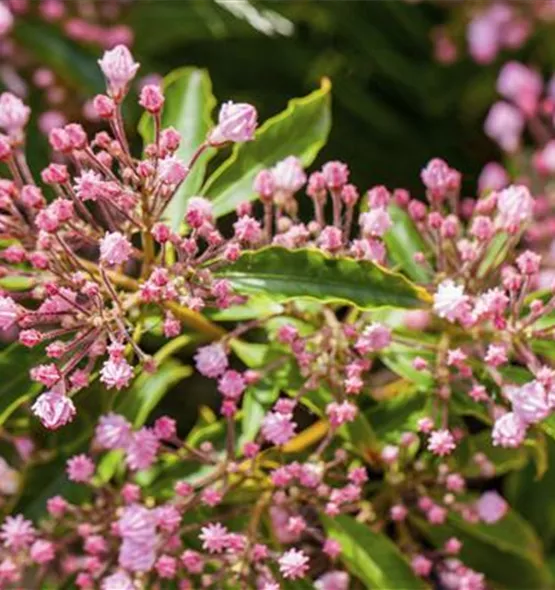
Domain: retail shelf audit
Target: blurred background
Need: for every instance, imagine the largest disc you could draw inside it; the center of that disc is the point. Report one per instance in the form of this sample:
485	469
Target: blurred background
400	97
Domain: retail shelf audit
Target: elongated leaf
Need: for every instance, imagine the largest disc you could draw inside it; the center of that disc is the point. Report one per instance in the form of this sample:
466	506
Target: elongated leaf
188	107
399	358
533	497
284	275
507	552
403	241
300	130
138	401
371	556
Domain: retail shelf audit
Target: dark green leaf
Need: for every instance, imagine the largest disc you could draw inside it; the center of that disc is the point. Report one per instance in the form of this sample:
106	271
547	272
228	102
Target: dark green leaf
285	274
508	552
371	556
141	398
301	129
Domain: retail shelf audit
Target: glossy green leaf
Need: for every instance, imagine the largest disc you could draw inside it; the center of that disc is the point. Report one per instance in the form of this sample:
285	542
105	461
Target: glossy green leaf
402	241
504	460
301	129
371	556
141	398
508	552
399	414
290	274
188	108
399	358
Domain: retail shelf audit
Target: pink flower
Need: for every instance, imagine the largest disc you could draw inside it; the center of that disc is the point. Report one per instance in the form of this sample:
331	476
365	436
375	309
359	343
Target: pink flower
530	402
231	385
17	532
165	428
118	581
375	337
236	122
9	313
13	113
504	124
289	175
53	409
80	468
441	442
334	580
172	170
293	564
199	212
491	507
115	248
116	374
113	432
6	20
450	300
152	98
264	184
247	230
421	566
42	551
192	561
211	361
336	174
166	567
137	557
493	177
278	428
119	68
375	223
440	179
142	449
214	537
331	548
509	431
521	85
340	414
515	206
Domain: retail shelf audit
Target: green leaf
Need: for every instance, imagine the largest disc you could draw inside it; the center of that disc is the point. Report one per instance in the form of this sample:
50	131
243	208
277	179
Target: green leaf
188	108
371	556
138	401
289	274
399	414
508	552
533	497
301	129
399	358
503	459
16	387
403	240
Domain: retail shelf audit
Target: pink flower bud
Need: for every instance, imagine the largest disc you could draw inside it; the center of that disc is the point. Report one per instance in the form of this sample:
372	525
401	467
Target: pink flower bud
171	170
55	174
119	68
104	106
115	248
236	122
53	409
152	99
13	113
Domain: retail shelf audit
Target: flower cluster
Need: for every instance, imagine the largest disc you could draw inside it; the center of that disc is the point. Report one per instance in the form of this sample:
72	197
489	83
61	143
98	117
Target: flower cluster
101	266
